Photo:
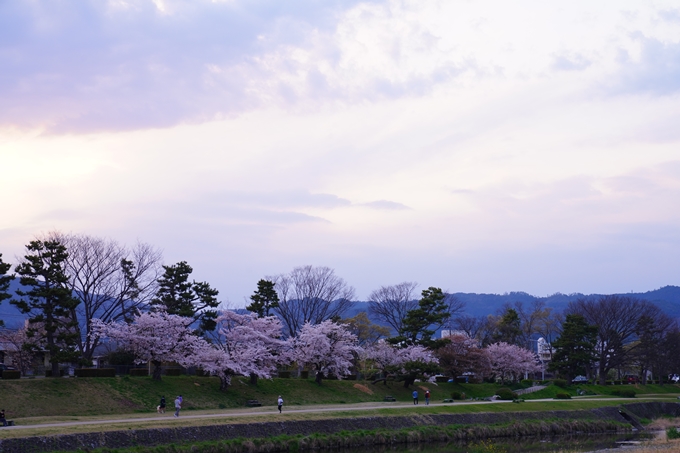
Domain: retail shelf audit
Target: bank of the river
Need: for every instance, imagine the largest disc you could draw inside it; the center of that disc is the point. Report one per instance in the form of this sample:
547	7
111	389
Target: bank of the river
343	432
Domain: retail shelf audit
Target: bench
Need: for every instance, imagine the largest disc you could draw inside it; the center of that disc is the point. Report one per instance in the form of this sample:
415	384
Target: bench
448	400
253	403
9	423
390	398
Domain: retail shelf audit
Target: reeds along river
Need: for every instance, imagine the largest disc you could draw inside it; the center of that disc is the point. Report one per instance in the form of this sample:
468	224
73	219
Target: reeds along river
581	443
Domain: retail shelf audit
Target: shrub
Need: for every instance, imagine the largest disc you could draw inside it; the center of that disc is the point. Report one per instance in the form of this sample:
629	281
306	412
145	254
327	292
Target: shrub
506	394
48	373
173	372
456	396
139	372
284	374
94	372
562	396
527	382
672	433
625	393
562	383
304	374
351	377
11	374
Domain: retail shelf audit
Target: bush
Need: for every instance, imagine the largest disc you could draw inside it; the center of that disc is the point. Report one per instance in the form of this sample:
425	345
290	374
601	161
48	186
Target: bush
672	433
284	374
562	383
304	374
625	393
506	394
94	372
139	372
456	396
173	372
48	373
562	396
351	377
527	382
11	374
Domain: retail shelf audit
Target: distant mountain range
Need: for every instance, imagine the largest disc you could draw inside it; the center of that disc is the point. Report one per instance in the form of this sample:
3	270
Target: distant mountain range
666	298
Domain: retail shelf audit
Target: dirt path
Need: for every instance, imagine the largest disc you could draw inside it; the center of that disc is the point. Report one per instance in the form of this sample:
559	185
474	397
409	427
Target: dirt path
168	416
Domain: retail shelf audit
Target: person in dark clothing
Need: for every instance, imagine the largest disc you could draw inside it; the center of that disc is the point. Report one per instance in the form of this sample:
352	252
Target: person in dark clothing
3	420
161	407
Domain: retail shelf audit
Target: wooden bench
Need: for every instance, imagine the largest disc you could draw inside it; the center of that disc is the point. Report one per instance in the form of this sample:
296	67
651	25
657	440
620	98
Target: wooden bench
253	403
390	398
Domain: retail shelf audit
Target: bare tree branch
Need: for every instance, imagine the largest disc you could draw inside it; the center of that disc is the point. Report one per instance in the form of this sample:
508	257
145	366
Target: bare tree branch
111	281
311	294
391	303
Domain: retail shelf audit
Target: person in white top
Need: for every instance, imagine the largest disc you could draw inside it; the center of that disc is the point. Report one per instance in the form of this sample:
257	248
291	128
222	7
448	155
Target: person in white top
280	403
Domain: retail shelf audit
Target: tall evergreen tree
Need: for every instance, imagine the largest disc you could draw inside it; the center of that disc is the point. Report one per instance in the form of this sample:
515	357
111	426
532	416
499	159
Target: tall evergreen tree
264	299
509	328
420	324
5	279
575	347
48	301
178	296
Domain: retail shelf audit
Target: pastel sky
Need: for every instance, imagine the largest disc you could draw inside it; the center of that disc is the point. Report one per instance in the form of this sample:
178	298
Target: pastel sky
478	146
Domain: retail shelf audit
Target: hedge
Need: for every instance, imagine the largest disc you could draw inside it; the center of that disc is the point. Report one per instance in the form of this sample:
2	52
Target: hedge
173	372
95	372
48	373
11	374
139	372
284	374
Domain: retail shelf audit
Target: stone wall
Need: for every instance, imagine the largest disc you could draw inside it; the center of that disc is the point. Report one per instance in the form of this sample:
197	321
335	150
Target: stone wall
150	437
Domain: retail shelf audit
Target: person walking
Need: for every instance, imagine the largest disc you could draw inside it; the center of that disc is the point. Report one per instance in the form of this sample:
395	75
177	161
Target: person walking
3	420
427	397
280	403
415	397
178	405
161	406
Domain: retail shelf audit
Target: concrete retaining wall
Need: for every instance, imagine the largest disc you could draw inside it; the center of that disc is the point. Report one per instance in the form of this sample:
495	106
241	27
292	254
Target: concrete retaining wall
149	437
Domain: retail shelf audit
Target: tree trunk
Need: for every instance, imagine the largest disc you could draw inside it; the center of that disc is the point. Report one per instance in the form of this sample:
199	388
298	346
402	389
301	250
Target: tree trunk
253	379
224	383
55	369
319	376
156	376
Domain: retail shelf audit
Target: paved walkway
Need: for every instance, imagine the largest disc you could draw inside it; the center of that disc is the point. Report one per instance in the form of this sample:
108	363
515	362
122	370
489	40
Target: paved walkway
271	411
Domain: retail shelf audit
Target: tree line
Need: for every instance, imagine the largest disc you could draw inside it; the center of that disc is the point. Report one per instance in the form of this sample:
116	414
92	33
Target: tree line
79	291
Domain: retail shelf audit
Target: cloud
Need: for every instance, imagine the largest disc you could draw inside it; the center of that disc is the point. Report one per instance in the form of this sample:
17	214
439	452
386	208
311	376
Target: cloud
570	63
656	70
384	204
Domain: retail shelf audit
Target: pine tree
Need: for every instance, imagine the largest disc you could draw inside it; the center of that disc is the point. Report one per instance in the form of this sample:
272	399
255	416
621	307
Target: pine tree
575	347
264	299
48	301
420	324
177	296
5	280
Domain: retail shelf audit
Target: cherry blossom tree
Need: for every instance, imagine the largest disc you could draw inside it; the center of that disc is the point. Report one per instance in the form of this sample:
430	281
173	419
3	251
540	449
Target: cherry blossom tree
245	345
327	348
464	355
412	361
511	362
156	337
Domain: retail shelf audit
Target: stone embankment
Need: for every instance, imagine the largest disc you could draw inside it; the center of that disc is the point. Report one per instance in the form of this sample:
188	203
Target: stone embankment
436	428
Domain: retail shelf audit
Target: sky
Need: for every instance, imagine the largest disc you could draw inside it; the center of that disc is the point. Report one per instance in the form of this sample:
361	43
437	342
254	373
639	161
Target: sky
477	146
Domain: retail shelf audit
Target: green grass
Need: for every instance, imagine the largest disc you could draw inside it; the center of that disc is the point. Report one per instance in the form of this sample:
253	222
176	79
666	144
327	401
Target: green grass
77	397
125	395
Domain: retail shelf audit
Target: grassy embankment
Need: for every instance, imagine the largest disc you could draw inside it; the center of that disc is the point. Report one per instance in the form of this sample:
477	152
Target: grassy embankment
39	401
